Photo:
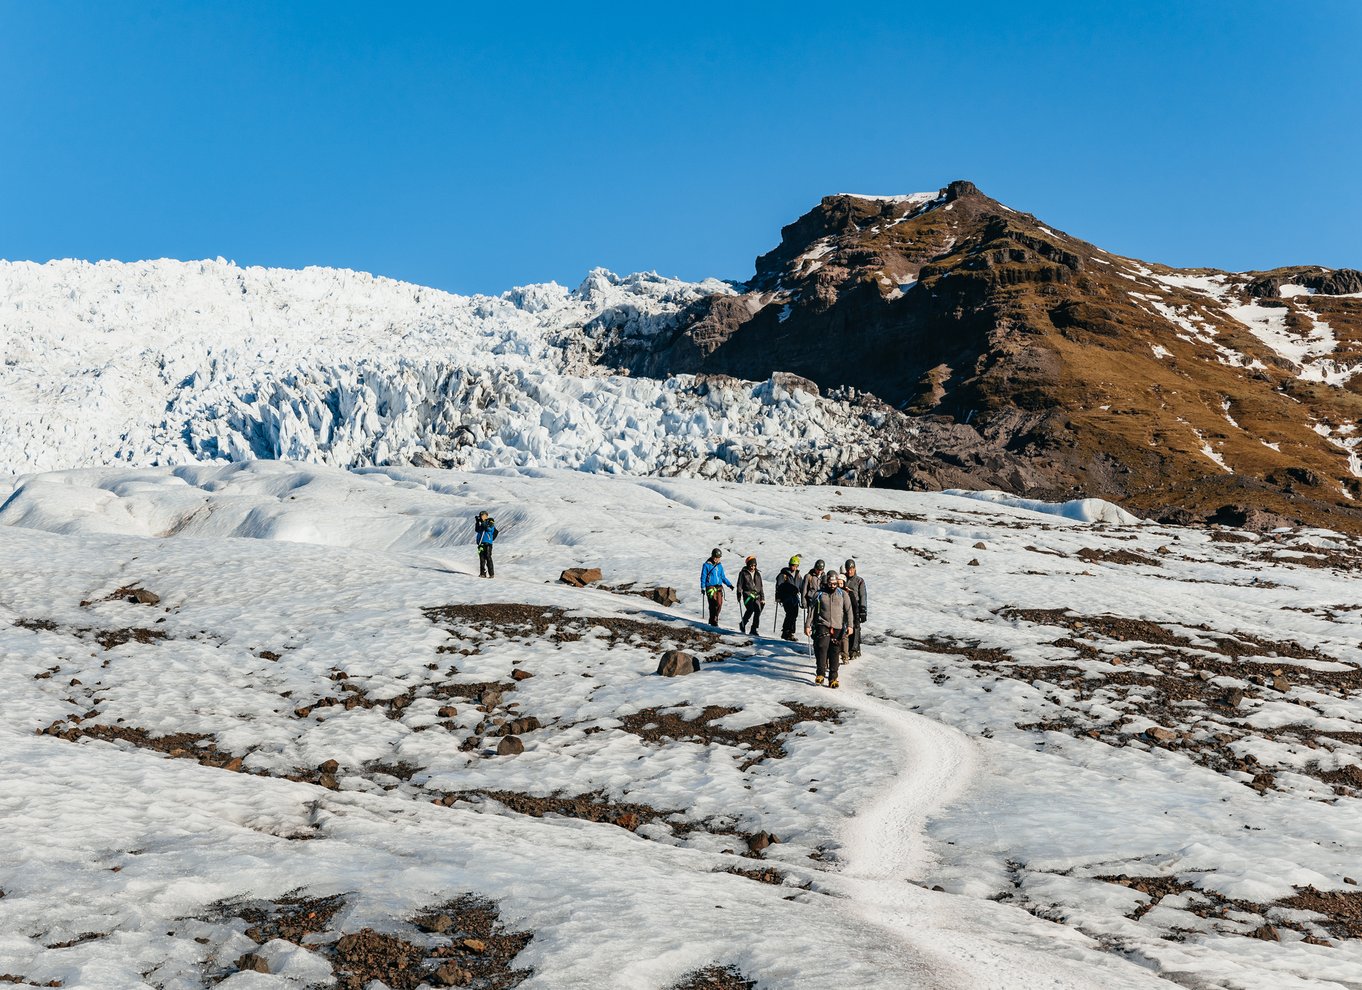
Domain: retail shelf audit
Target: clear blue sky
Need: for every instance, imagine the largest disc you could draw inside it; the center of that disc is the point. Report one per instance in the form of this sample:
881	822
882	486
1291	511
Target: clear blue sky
475	147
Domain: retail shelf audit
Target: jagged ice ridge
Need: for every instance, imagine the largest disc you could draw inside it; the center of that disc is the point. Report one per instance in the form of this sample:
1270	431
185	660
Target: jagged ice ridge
167	362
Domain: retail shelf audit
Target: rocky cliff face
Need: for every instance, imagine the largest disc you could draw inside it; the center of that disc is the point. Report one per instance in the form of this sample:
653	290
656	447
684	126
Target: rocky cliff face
1036	362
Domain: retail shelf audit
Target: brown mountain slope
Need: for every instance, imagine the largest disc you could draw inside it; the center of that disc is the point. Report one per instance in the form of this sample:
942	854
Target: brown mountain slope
1036	362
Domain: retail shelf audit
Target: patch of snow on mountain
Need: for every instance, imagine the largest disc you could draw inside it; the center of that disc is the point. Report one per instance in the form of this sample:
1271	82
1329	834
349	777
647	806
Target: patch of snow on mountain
1268	324
1346	439
913	199
1225	406
809	262
1212	285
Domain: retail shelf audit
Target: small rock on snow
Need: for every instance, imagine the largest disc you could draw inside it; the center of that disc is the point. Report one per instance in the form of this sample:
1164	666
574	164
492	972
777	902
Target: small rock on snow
677	662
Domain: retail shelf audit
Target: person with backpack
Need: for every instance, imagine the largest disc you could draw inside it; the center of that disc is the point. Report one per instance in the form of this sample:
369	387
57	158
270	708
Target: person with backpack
813	584
712	583
789	587
485	530
827	621
855	585
751	595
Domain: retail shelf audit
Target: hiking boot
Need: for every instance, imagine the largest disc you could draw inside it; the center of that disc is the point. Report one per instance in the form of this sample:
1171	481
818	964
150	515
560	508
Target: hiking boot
832	684
818	679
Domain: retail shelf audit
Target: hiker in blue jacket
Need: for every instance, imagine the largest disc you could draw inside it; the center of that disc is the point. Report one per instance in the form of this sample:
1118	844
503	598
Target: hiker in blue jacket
485	528
712	582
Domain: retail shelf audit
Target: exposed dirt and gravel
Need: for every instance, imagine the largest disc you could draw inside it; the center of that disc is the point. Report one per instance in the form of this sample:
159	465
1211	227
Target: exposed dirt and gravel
714	977
764	740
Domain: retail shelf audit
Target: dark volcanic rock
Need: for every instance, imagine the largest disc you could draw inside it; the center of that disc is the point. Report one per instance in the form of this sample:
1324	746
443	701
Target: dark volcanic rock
674	663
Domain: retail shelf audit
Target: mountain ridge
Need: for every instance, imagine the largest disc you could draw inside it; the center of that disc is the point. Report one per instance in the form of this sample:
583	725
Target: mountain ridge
962	309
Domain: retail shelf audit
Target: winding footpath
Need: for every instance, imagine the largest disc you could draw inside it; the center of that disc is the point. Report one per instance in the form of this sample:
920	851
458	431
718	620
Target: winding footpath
953	940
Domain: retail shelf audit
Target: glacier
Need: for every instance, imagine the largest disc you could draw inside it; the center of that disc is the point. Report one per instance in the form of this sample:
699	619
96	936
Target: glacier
163	363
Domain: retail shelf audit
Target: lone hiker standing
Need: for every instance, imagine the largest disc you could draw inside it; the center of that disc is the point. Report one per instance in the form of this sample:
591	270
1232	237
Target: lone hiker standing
827	622
789	588
485	528
712	582
751	595
856	590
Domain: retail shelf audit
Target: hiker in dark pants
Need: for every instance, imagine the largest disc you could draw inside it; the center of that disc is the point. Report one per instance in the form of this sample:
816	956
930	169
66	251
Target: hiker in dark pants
486	529
828	621
855	589
712	582
789	585
751	595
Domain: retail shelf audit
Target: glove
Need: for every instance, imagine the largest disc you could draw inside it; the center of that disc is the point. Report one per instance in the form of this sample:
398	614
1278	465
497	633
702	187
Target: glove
860	616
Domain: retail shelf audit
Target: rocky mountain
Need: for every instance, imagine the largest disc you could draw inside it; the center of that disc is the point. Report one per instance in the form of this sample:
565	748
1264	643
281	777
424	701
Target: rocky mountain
1033	361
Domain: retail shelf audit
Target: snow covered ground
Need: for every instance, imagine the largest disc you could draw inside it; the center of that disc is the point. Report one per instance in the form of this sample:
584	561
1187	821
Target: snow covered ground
168	362
1126	754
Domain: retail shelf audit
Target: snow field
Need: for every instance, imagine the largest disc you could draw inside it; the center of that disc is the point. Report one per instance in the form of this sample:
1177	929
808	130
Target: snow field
927	780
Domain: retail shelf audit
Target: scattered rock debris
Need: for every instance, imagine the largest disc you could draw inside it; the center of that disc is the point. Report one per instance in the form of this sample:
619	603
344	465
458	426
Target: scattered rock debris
715	977
131	594
546	622
460	942
765	741
595	807
107	638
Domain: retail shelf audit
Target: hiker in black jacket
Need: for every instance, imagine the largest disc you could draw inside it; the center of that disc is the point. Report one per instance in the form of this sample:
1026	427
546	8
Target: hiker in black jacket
789	586
855	585
751	595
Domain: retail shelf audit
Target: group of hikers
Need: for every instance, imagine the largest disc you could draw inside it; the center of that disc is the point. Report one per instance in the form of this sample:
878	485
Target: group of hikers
834	604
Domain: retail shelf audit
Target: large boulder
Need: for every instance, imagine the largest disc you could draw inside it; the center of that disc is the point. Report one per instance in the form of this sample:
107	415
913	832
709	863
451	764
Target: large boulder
580	577
663	596
674	663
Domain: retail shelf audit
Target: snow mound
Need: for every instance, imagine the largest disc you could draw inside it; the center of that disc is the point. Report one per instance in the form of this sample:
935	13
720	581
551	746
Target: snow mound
1088	510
